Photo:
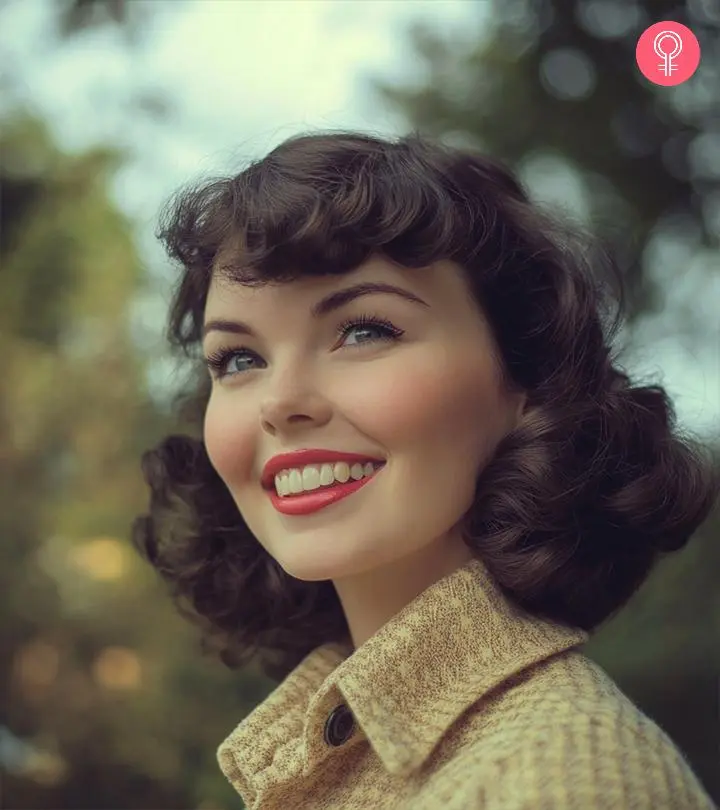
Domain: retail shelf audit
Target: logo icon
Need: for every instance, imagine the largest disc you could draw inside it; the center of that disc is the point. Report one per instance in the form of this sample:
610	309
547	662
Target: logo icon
668	64
667	53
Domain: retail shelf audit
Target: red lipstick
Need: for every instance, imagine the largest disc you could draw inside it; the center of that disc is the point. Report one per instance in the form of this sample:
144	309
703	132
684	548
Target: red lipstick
307	502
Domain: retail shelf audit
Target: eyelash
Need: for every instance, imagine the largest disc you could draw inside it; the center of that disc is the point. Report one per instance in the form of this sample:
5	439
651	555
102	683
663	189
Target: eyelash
218	360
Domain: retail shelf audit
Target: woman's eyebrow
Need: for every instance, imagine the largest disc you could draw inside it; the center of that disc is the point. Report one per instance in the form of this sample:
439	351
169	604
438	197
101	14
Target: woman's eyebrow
328	304
339	298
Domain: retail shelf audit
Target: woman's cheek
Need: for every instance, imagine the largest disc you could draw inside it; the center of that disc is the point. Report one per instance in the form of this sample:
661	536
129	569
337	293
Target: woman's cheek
436	398
228	439
389	401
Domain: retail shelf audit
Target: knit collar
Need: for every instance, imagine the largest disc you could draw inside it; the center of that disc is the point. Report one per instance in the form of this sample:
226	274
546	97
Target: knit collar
405	686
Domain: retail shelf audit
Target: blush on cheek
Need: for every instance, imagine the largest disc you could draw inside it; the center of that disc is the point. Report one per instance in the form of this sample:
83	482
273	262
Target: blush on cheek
228	443
415	402
455	412
389	402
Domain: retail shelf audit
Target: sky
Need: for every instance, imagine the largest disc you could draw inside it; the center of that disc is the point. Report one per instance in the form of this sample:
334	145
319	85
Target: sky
244	75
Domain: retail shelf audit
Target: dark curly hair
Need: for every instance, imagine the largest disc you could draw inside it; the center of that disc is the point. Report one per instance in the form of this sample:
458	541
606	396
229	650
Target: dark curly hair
577	503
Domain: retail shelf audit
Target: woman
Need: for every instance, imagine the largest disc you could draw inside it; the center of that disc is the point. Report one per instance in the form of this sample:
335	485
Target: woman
428	486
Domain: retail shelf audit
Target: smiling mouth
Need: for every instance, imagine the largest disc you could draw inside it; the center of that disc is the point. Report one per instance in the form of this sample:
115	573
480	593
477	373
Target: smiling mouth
296	482
308	502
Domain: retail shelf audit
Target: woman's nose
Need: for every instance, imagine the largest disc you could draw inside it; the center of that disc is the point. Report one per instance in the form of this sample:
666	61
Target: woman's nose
290	407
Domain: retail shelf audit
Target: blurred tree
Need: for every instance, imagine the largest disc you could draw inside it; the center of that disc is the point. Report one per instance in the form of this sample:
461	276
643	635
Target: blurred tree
554	83
542	78
99	677
104	699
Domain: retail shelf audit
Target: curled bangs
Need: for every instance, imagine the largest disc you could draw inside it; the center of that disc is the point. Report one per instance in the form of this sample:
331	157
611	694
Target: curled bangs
310	209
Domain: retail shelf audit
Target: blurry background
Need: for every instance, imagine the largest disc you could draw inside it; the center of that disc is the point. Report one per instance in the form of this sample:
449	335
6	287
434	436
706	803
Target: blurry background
105	108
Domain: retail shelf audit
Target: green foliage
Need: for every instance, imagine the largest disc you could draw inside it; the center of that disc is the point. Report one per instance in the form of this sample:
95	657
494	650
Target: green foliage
559	78
98	672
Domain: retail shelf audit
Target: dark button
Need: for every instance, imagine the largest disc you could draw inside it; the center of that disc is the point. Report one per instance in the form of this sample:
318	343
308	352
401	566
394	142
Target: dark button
339	726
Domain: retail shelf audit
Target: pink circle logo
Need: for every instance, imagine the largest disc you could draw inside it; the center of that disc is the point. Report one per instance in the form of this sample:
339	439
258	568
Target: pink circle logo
667	53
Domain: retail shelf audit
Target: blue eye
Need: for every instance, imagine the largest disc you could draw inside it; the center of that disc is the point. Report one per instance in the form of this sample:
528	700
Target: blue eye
218	361
384	330
369	323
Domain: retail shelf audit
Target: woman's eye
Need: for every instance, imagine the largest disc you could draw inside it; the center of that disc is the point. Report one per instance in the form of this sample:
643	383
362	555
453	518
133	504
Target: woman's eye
368	330
222	362
226	362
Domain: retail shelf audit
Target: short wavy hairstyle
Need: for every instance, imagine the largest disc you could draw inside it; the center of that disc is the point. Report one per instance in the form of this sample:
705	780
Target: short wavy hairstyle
576	504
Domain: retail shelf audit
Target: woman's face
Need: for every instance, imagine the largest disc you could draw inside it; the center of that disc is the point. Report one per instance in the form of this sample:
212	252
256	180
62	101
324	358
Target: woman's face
419	391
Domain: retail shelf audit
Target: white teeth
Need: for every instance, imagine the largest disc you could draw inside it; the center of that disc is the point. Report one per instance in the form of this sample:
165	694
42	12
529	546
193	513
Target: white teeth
310	478
314	476
341	471
295	481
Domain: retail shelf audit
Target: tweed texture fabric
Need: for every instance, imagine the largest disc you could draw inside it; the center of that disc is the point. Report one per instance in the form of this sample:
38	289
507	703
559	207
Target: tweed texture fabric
462	701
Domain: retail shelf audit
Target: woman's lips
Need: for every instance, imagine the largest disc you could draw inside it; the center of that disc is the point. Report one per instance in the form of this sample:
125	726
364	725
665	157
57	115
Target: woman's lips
302	458
308	502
